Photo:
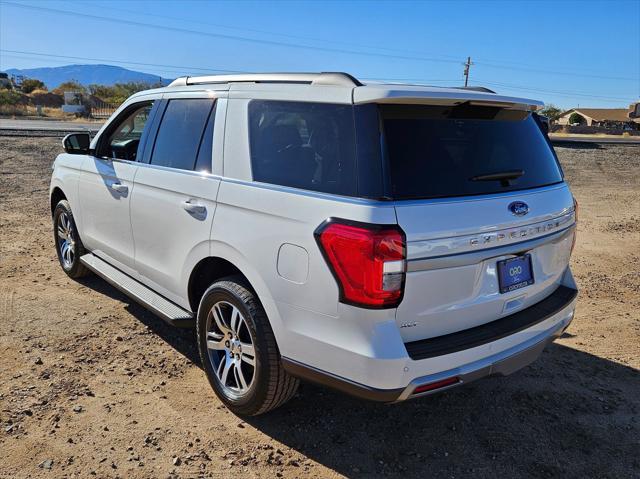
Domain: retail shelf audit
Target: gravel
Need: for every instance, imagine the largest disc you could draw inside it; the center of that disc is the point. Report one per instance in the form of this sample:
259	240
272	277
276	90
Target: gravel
573	413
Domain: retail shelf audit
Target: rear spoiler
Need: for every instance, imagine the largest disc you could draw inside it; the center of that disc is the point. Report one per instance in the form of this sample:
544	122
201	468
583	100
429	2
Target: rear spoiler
439	96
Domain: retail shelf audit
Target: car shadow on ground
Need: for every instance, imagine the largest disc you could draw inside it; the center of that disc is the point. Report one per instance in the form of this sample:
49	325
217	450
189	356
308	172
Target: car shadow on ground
576	144
558	417
181	339
569	414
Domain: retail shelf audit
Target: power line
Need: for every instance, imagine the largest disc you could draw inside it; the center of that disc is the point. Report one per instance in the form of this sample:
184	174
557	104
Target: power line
182	69
185	70
423	81
510	64
291	45
221	35
489	62
556	72
568	94
278	34
125	62
152	71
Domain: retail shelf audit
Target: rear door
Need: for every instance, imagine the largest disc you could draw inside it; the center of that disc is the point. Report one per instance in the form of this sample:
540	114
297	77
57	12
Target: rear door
174	200
488	218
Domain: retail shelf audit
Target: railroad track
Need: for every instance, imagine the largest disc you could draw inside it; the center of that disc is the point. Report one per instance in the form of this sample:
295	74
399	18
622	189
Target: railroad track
39	132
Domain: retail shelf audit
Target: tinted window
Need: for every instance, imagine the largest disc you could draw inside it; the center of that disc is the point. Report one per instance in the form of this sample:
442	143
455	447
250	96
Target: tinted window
124	140
203	163
303	145
456	151
180	132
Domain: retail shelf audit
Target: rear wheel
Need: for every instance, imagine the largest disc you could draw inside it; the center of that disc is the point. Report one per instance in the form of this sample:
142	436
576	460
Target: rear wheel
68	245
239	352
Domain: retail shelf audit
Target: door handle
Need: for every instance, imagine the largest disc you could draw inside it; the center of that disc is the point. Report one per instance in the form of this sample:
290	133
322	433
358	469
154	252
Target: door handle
193	207
120	188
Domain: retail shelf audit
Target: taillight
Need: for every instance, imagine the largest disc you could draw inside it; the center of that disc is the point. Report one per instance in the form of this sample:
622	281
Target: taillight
575	230
436	385
368	261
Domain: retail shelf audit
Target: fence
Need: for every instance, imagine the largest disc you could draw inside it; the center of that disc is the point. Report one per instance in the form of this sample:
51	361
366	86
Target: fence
592	130
101	109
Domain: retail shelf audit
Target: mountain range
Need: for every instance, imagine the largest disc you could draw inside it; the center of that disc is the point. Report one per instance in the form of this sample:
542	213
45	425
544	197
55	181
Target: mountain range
86	75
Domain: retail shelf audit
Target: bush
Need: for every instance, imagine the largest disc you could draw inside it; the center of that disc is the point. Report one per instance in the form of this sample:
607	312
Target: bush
10	97
71	85
576	118
30	84
119	92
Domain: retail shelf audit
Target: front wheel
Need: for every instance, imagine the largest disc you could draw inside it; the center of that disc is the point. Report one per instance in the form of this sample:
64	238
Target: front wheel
68	244
239	351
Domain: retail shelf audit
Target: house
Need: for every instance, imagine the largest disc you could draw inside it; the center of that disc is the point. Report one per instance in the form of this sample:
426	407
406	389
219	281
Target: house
602	117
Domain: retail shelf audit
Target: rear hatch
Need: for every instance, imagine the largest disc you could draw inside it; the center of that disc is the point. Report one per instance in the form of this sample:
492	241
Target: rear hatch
488	218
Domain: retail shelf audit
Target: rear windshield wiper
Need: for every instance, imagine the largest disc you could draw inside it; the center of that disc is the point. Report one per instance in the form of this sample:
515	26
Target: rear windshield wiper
504	177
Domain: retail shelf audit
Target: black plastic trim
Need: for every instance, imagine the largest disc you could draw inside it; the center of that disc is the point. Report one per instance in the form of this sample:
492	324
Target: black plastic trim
116	122
493	331
308	373
373	227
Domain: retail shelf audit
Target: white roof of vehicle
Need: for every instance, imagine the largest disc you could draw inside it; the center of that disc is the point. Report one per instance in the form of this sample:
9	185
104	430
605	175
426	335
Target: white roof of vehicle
360	92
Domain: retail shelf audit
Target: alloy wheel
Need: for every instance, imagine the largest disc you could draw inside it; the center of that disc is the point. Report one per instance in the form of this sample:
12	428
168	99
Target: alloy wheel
230	348
66	244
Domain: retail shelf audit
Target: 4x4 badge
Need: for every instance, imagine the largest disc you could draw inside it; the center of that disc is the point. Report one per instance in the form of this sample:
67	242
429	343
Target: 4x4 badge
519	208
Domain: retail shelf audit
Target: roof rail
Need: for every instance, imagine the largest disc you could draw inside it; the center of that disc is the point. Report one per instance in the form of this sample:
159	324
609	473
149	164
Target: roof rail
324	78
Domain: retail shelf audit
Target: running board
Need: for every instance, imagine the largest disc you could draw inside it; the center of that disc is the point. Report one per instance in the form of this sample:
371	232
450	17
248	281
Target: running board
168	311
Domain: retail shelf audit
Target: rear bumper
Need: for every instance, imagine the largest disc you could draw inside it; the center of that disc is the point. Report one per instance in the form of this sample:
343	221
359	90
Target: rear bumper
501	364
547	323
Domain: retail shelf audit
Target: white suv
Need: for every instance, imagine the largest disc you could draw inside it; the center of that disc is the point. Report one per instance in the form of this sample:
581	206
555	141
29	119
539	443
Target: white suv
389	241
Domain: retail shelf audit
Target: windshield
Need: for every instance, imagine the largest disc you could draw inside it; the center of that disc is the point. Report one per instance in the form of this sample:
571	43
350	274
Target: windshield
435	152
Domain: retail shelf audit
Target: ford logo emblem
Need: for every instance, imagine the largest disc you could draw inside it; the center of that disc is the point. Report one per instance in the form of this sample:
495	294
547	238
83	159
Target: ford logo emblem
519	208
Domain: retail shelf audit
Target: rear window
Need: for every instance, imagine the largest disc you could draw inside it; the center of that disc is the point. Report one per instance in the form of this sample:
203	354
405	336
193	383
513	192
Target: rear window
464	150
303	145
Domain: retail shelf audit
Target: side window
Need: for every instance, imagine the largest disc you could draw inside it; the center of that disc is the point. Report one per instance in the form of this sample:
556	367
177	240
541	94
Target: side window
205	153
180	133
124	140
303	145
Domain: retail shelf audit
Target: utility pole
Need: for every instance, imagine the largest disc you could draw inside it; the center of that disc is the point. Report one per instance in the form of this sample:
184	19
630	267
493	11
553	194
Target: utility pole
467	65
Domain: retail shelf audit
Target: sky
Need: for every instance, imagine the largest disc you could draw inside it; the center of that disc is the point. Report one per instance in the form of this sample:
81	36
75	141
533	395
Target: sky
584	53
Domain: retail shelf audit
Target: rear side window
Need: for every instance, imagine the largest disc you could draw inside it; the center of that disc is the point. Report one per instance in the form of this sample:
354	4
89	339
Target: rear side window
464	150
303	145
181	132
203	163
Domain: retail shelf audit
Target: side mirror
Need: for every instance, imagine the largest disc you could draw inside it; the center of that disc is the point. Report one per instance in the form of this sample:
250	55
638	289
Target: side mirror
77	143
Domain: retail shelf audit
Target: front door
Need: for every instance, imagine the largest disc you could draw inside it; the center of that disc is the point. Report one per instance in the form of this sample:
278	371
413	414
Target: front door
106	185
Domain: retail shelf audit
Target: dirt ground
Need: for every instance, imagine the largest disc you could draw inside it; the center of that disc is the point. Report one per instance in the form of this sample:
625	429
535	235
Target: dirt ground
92	385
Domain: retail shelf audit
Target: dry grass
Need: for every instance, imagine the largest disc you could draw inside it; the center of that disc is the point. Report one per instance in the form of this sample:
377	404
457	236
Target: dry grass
31	111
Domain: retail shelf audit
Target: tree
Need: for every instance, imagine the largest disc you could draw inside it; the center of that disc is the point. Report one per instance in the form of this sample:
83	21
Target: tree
70	85
30	84
551	111
119	92
576	118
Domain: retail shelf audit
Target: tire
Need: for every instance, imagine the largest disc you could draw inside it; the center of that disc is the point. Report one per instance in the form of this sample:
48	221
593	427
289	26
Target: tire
270	385
69	247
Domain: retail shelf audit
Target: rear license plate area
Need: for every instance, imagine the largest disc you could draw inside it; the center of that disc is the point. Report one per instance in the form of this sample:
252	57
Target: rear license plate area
515	273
